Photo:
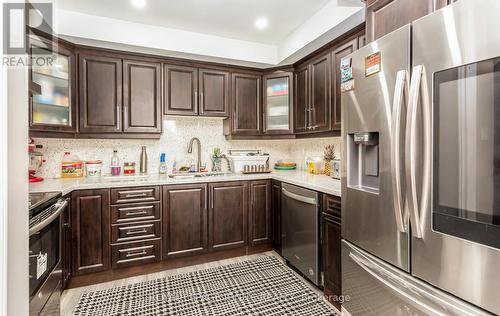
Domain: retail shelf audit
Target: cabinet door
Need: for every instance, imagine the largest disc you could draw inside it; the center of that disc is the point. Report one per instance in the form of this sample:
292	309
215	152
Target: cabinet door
385	16
246	104
141	97
214	92
185	220
227	217
91	231
181	90
260	212
66	245
278	103
338	53
331	235
301	106
100	93
276	215
320	94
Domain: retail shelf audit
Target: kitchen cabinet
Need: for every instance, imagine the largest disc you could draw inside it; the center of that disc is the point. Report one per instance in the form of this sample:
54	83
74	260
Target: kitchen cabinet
276	215
278	103
259	222
228	215
90	231
214	92
338	53
142	109
320	104
185	220
331	247
301	108
66	244
246	104
53	108
100	93
192	91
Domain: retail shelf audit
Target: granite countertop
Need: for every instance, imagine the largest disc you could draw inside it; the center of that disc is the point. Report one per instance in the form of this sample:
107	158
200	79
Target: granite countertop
320	183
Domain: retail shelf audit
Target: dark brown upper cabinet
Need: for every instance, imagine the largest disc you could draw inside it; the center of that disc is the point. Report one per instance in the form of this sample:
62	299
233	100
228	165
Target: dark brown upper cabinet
338	53
100	92
53	107
320	94
278	103
302	106
246	104
185	220
259	222
213	92
181	90
142	110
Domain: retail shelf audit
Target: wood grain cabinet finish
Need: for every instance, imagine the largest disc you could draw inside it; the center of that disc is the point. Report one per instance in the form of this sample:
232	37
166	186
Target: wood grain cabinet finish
135	195
185	220
90	231
135	231
126	213
246	104
214	92
259	222
338	53
320	94
302	101
276	215
100	93
66	245
181	90
135	253
331	239
227	216
142	110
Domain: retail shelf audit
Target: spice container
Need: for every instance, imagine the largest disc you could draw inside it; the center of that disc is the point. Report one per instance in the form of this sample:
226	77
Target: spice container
129	168
93	168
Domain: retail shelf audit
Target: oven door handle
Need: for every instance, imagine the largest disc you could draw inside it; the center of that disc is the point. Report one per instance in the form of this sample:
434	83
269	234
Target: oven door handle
60	206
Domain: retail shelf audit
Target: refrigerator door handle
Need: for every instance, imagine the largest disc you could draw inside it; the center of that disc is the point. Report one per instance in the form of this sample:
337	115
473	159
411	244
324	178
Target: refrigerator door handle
418	87
400	95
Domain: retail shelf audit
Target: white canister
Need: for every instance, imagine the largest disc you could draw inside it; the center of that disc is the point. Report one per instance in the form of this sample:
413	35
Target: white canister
93	168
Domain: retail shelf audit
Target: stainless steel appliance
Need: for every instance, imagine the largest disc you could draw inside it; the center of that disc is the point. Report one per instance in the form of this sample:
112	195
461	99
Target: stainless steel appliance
45	275
421	182
300	230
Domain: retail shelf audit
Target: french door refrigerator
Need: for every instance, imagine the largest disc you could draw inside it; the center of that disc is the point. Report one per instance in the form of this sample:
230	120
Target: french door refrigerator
421	182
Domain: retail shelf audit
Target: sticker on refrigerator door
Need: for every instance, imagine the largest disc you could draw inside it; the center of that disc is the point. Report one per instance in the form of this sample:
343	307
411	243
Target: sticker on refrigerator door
41	265
347	86
345	62
372	64
345	74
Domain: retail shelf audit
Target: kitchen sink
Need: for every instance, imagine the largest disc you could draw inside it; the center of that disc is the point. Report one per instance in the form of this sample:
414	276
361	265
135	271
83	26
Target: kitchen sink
199	175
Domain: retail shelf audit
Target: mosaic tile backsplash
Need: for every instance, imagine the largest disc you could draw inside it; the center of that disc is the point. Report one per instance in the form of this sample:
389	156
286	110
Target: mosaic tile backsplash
177	131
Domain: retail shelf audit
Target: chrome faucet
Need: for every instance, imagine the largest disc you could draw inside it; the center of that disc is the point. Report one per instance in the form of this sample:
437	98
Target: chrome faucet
190	150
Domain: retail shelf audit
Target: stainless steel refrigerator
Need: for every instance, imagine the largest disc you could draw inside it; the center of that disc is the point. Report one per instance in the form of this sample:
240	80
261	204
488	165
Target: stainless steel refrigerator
421	182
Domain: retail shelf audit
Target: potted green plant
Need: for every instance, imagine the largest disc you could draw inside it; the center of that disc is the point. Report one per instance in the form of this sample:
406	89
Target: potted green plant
329	155
217	160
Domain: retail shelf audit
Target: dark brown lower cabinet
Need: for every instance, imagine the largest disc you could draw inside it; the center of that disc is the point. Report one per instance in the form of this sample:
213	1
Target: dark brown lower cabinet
259	221
135	253
276	216
331	242
185	220
66	245
227	215
91	231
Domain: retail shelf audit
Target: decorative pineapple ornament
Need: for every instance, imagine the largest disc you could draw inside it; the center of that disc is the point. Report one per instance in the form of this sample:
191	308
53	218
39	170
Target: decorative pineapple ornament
329	155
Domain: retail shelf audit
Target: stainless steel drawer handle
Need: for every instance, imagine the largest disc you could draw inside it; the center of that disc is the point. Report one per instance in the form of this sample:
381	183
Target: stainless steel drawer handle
136	195
298	197
136	254
136	213
136	231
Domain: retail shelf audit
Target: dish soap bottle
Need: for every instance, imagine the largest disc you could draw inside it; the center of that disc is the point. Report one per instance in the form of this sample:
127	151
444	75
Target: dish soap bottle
163	164
115	164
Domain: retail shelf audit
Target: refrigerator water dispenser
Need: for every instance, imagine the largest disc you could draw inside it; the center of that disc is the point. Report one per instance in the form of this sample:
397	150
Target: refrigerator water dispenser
363	161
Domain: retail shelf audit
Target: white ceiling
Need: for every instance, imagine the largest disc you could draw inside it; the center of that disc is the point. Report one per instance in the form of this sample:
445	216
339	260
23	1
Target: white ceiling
226	18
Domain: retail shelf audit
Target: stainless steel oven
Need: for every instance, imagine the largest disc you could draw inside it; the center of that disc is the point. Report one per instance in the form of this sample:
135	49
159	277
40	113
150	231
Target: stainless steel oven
45	275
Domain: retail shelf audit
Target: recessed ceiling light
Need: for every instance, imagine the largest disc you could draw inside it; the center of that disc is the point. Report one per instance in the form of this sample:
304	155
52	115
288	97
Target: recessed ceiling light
261	23
139	4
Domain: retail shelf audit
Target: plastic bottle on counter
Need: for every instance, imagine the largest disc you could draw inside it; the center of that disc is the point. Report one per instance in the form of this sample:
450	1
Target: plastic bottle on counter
174	165
163	164
71	166
115	164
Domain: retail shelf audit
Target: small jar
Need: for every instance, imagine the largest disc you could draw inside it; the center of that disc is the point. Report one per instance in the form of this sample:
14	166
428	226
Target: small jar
129	168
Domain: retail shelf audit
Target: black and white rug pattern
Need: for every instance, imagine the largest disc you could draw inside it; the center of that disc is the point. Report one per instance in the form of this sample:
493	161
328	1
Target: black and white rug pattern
262	286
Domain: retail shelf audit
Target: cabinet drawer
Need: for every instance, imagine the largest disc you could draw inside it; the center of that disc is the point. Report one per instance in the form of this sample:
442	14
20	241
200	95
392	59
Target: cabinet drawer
135	231
130	195
332	205
135	212
135	253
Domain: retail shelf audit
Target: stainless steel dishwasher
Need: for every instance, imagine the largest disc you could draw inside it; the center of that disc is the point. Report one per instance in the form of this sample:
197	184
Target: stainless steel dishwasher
300	230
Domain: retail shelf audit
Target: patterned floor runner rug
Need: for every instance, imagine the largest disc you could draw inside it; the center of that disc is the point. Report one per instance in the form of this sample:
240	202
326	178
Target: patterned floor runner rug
262	286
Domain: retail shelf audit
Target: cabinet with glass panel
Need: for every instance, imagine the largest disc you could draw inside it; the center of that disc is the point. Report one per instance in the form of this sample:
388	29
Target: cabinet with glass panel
278	100
52	101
